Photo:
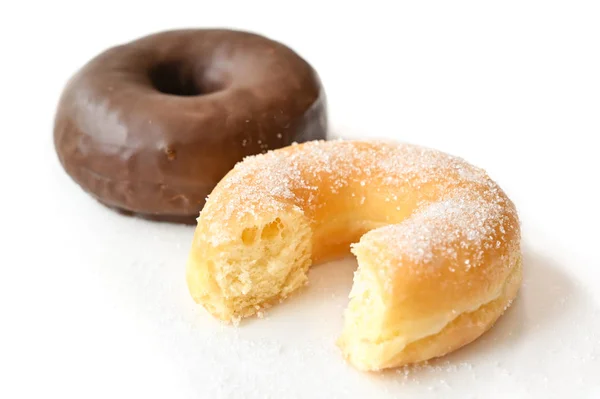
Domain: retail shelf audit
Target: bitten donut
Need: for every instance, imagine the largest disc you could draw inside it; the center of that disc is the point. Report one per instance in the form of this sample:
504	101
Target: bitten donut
151	126
437	243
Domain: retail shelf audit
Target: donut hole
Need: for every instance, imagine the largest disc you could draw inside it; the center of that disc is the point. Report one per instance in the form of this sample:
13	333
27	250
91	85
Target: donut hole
175	78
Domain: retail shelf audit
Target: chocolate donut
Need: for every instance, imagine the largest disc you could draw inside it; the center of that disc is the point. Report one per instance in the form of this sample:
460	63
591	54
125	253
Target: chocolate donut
151	126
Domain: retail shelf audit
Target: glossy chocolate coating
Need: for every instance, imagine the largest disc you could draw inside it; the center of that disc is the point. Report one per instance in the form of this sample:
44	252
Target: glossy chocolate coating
150	127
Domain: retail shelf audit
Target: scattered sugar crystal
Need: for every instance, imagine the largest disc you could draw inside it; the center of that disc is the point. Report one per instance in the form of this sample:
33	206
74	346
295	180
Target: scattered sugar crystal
468	214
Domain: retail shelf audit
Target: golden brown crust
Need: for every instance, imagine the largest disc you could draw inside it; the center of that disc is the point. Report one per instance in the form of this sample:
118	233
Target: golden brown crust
437	242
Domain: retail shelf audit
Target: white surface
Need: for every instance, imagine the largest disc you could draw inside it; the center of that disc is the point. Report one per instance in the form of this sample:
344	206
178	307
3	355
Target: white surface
93	304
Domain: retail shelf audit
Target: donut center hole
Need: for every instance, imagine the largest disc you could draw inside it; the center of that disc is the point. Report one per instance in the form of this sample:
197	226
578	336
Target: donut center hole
175	78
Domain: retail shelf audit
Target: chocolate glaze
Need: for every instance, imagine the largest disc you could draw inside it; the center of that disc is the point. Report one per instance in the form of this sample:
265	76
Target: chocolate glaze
151	126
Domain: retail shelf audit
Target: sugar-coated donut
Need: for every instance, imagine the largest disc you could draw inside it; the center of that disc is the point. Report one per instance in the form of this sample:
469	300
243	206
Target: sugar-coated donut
437	243
150	127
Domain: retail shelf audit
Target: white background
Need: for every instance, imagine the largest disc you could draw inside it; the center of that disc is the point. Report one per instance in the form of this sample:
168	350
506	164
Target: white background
94	305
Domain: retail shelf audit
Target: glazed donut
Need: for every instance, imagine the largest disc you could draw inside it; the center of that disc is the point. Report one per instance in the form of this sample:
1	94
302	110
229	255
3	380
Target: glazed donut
437	243
150	127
